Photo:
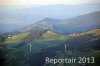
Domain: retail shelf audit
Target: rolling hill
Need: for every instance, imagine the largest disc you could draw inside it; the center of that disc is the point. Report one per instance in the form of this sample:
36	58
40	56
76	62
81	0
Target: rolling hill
45	37
74	25
30	45
17	17
51	44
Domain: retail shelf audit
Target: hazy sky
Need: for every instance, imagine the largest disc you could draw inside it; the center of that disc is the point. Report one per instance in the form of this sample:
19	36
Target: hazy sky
45	2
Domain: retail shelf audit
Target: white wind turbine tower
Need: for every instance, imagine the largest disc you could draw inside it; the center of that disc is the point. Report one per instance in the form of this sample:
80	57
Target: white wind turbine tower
30	45
51	28
65	47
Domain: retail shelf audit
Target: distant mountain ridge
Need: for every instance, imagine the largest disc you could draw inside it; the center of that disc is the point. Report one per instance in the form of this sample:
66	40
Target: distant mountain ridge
78	24
13	18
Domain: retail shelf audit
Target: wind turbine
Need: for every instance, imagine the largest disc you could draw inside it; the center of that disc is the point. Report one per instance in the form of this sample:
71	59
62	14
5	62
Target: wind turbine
30	45
65	47
51	28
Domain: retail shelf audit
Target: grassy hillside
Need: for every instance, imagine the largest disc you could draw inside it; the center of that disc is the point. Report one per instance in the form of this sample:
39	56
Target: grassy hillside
54	36
50	36
96	32
50	44
16	38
